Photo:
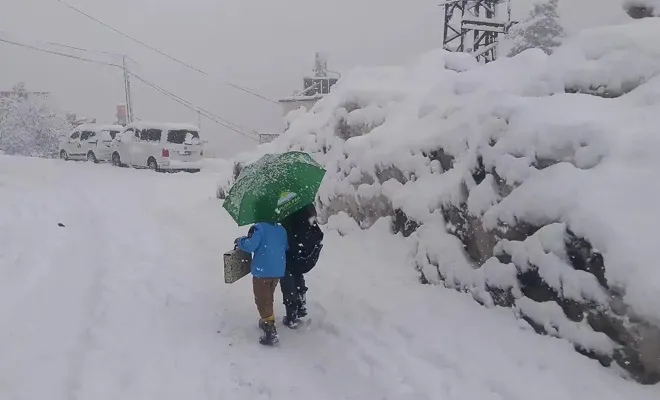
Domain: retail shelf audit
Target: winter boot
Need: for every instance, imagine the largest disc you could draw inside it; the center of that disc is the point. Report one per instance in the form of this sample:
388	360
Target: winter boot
291	320
269	338
302	301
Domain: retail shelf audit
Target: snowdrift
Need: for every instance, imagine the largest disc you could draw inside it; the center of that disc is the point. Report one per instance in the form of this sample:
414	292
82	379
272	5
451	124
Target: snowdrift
530	182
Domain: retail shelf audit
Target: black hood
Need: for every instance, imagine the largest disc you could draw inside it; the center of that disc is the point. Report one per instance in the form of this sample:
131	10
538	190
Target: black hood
300	218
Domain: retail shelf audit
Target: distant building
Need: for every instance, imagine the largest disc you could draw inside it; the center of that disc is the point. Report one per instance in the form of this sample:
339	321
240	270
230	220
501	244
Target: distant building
314	88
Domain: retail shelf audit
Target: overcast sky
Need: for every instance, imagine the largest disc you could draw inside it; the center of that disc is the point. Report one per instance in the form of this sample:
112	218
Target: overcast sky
264	45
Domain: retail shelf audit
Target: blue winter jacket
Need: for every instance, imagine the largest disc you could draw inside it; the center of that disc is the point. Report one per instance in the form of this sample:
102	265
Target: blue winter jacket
268	243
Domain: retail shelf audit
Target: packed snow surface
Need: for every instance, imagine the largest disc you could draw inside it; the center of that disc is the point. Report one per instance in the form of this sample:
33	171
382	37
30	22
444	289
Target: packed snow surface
127	301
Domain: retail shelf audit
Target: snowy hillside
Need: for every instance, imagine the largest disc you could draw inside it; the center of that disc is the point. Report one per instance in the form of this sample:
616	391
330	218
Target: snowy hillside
528	183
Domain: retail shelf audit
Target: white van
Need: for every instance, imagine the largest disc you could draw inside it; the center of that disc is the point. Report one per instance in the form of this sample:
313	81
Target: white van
161	147
89	142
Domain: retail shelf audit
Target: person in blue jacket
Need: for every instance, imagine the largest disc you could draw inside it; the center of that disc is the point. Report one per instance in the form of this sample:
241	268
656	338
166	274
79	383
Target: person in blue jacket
268	244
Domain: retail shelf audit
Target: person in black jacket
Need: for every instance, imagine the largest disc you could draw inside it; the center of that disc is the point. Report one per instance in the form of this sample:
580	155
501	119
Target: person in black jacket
305	243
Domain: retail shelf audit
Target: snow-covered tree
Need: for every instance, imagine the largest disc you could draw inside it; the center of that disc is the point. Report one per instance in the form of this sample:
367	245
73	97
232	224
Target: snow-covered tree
29	126
541	30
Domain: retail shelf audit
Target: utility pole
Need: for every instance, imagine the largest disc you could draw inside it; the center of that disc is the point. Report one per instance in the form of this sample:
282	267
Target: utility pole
472	26
127	89
199	120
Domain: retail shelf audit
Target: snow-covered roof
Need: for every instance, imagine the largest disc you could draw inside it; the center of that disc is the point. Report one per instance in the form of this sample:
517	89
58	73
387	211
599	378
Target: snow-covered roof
294	99
99	127
164	126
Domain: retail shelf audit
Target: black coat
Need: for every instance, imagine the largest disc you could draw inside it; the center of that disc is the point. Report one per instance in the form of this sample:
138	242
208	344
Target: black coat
305	240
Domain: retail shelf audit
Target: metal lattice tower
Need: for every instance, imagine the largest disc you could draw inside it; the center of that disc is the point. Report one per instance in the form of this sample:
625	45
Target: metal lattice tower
472	26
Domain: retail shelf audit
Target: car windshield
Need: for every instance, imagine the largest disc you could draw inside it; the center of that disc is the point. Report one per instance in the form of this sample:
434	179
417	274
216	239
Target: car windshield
181	136
113	133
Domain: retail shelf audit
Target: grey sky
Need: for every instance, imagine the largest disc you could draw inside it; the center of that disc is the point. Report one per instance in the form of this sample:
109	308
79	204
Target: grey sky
261	44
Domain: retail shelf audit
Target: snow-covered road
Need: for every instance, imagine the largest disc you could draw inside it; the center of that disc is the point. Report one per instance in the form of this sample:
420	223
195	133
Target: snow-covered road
127	302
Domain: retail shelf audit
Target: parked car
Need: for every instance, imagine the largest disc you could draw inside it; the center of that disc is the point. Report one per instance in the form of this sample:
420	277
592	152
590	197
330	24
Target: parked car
161	147
89	142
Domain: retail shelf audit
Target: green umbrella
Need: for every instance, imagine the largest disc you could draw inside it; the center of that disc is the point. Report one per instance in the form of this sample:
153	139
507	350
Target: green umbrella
274	187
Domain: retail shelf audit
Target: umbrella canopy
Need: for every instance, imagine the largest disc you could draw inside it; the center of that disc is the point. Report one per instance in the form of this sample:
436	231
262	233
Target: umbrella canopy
274	187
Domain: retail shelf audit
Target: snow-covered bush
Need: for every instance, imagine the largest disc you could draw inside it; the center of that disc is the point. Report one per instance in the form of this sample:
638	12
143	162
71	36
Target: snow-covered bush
29	126
528	182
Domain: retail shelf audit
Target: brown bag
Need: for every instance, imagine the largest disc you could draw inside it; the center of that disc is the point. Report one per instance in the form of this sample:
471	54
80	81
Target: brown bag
237	265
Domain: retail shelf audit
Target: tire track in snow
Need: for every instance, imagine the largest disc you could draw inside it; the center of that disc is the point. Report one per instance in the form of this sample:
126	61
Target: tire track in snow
147	344
97	258
42	312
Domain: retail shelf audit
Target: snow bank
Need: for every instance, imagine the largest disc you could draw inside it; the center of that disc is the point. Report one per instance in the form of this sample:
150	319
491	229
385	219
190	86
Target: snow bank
611	60
342	223
530	179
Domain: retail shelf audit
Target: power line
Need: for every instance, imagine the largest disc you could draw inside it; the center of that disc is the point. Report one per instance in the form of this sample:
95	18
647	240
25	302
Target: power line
250	92
90	51
219	120
76	48
57	53
189	105
69	47
199	109
230	84
129	37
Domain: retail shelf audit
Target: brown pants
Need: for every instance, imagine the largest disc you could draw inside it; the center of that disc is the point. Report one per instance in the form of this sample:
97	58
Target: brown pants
264	295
